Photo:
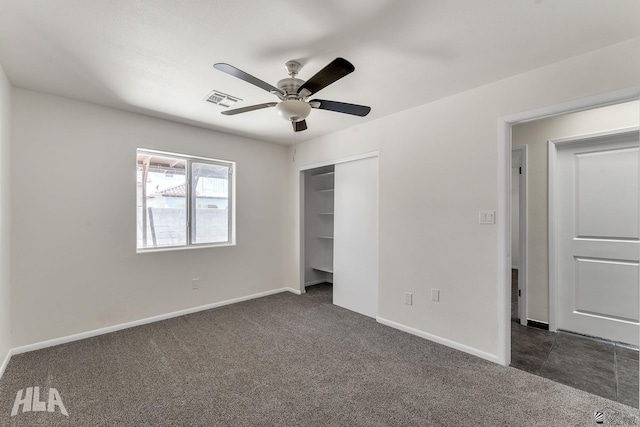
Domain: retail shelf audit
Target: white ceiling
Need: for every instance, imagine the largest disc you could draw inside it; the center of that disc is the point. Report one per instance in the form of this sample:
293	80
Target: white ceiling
156	56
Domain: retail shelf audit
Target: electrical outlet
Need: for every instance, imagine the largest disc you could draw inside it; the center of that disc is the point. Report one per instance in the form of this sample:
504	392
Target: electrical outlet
435	295
408	298
195	283
487	217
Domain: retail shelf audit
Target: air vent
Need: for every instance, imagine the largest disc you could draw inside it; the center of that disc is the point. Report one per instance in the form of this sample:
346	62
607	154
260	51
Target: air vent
222	99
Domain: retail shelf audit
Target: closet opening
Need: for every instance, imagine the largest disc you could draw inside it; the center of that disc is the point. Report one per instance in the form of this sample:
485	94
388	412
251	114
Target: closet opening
339	231
319	188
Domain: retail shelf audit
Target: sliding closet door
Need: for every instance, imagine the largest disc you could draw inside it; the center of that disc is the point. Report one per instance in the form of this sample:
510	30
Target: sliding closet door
355	251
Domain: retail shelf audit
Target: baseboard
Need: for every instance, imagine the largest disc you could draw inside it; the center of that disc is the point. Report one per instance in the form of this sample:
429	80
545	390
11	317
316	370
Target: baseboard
5	362
536	324
292	290
119	327
314	282
449	343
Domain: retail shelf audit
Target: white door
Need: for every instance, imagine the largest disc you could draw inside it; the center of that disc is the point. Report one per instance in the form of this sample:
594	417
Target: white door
595	208
355	245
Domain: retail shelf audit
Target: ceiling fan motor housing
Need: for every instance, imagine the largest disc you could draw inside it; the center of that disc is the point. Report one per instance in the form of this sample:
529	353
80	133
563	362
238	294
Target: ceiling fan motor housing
290	86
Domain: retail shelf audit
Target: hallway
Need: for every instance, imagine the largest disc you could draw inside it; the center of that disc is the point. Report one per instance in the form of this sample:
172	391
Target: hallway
600	367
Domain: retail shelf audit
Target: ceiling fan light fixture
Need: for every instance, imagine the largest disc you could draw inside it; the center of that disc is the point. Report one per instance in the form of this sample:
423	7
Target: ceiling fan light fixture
293	110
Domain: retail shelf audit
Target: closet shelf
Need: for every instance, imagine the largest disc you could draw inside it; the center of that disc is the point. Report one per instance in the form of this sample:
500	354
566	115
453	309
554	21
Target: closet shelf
325	269
325	237
325	213
324	174
328	190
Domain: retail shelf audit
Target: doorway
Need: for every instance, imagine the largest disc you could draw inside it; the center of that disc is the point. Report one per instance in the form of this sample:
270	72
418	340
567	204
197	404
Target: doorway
519	234
549	347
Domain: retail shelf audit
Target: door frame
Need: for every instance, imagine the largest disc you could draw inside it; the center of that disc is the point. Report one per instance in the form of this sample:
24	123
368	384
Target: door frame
522	231
553	145
504	196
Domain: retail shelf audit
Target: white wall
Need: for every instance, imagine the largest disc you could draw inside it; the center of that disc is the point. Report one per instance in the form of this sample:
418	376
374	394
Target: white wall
439	166
5	213
535	135
74	261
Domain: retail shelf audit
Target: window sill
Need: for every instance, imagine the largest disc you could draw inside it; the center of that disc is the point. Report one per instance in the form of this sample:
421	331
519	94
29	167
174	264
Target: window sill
183	248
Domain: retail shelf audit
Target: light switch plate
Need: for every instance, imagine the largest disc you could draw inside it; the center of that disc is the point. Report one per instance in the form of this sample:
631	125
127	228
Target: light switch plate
435	295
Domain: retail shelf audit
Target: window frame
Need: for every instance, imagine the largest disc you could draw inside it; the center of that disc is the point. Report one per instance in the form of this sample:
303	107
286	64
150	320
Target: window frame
191	202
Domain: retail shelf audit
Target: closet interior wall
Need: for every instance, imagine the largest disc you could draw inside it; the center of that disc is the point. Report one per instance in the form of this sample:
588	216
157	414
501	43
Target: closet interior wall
318	225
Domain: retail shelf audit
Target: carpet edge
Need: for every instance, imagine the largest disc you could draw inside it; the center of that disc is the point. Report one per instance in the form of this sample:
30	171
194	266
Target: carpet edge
449	343
118	327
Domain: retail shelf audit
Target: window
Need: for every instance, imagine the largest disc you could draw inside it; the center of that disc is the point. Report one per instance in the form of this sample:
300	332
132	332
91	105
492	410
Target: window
183	201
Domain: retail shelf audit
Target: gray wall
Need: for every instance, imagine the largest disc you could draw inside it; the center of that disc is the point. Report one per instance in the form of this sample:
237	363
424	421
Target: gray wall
5	212
74	261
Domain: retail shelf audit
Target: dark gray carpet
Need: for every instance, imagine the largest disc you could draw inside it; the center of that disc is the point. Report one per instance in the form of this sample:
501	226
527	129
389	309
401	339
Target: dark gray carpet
286	360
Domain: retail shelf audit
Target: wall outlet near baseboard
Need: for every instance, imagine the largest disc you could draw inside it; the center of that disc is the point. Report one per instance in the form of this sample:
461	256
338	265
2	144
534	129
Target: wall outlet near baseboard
195	283
408	298
487	217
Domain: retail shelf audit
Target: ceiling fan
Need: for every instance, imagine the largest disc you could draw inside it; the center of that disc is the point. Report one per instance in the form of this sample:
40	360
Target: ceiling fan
293	92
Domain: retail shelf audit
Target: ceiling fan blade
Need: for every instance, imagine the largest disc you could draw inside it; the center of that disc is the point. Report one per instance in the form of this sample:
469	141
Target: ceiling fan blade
299	126
340	107
235	72
249	108
337	69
